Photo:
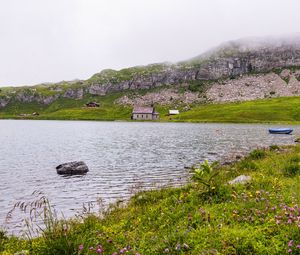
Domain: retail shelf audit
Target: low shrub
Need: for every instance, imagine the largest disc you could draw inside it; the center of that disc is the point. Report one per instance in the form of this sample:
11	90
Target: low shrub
258	154
292	169
247	164
274	147
3	238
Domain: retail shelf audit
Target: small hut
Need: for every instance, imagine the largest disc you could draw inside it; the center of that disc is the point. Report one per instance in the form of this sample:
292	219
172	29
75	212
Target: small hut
144	113
173	112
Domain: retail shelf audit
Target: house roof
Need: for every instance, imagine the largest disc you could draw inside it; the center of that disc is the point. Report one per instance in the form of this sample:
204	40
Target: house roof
143	110
92	103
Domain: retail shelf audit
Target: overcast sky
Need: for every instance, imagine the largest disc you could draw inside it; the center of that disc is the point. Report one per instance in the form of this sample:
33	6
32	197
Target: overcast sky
54	40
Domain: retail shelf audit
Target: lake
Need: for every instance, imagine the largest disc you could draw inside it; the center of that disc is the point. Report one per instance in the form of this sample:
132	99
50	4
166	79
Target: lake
120	155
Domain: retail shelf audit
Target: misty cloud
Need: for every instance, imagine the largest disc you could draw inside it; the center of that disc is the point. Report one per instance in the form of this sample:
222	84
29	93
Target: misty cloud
55	40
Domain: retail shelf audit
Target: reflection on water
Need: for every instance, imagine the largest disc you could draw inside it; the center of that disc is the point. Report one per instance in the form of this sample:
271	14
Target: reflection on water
119	156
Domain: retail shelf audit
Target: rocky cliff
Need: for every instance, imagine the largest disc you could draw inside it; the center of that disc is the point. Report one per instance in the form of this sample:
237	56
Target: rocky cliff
230	60
245	87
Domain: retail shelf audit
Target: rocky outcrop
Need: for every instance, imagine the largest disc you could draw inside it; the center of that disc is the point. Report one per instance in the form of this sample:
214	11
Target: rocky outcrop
242	88
4	101
71	168
251	87
74	93
35	97
163	97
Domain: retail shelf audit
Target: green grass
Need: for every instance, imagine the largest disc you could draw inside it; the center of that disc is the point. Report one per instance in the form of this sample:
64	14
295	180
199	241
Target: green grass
71	109
276	110
113	76
207	216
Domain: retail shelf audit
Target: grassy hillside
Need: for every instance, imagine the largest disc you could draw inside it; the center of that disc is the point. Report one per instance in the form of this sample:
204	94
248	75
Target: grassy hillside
276	110
207	216
68	109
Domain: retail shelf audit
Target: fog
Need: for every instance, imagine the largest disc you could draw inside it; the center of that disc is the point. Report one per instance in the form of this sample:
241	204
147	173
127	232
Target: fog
50	41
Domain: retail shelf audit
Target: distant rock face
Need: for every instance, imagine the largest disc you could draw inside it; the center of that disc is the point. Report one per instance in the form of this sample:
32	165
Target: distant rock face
261	60
74	93
71	168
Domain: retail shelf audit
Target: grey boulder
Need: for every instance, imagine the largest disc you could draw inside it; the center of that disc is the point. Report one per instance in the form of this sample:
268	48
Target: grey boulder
74	167
242	179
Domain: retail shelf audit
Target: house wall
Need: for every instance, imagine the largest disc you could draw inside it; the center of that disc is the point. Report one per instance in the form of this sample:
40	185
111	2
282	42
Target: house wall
142	116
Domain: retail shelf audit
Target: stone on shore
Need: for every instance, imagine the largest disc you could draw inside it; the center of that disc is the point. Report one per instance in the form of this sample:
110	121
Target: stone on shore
242	179
74	167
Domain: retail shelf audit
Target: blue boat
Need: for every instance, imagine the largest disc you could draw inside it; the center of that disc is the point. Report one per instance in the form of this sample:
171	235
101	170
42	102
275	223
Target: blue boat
280	130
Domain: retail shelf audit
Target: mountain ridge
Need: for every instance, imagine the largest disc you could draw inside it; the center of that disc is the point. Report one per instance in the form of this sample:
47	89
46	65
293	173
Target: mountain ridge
228	60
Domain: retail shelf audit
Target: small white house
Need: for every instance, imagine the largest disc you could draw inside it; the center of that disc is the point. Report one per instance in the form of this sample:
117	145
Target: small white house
173	112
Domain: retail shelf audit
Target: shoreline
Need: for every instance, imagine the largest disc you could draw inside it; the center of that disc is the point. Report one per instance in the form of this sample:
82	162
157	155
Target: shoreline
200	214
161	121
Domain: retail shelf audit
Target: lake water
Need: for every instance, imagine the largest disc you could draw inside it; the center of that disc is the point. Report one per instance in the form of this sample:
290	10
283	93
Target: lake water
119	155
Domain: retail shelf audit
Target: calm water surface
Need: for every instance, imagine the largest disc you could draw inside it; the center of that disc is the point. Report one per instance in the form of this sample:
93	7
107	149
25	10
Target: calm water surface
119	156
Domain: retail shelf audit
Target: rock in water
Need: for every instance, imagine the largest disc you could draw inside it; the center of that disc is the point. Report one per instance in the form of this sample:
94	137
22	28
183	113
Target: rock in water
75	167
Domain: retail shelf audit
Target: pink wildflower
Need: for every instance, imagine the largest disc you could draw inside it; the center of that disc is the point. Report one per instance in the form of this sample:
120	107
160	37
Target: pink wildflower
99	250
122	251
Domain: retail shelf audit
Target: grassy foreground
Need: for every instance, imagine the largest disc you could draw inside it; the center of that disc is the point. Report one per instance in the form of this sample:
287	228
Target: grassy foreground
207	216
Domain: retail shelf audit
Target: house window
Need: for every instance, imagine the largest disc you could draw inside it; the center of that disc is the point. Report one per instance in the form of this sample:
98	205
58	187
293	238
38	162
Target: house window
137	116
142	116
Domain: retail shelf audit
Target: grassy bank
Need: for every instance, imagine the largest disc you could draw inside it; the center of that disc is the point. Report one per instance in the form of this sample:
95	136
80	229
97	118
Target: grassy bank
207	216
275	110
